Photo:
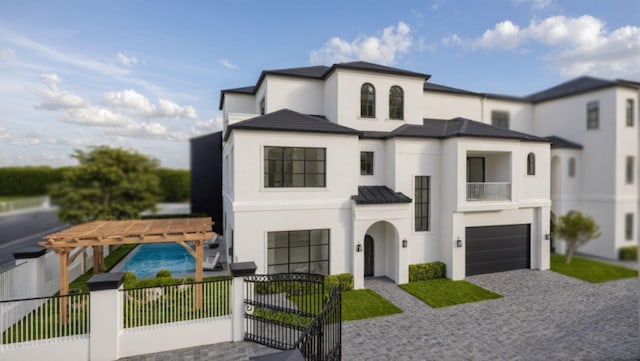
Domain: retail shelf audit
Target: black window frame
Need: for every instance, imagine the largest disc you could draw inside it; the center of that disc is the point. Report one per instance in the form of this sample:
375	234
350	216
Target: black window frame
291	263
628	226
366	163
531	164
367	101
629	112
630	169
396	103
500	119
593	115
262	106
422	207
286	162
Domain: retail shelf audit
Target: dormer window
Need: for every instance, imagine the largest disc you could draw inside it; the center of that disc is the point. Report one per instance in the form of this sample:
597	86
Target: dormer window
396	103
367	101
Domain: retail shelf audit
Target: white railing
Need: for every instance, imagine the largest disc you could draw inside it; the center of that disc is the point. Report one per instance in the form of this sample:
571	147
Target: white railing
489	191
176	303
10	282
32	202
39	318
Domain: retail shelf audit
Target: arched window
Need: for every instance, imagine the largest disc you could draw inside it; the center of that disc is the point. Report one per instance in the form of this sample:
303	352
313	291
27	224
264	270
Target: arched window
367	101
396	103
572	167
531	164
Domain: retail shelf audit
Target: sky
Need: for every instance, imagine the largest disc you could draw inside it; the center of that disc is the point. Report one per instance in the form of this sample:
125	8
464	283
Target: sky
146	75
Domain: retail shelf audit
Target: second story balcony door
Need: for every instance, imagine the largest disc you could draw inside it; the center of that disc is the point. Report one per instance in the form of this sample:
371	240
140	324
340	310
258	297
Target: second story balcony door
475	170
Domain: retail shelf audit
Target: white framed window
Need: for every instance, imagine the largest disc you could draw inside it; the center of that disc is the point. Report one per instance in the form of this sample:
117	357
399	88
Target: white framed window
629	113
593	115
628	226
289	167
531	164
629	169
422	203
572	167
396	103
500	119
367	101
366	163
304	251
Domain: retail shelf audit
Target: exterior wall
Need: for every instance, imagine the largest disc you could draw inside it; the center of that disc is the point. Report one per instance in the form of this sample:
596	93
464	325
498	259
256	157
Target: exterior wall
520	113
238	103
349	84
301	95
331	98
439	105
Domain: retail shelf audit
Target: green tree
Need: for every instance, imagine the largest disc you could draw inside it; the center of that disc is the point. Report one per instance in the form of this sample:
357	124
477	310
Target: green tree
109	183
576	229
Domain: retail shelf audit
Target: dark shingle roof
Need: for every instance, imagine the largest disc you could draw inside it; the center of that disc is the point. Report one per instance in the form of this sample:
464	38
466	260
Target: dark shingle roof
459	127
579	85
379	195
446	89
366	66
558	143
288	120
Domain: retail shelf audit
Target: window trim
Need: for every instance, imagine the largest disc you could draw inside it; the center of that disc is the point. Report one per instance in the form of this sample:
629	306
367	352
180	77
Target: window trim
593	115
366	105
363	172
401	101
284	167
417	220
531	164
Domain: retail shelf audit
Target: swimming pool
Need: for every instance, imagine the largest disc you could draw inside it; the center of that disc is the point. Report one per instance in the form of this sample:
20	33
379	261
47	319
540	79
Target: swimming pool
147	259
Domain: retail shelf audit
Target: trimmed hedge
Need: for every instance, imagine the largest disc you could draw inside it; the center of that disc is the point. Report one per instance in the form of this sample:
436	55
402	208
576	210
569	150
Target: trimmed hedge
629	253
175	184
28	181
427	271
343	280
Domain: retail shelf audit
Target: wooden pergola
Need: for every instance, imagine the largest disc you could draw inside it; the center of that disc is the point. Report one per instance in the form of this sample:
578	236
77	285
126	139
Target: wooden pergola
97	234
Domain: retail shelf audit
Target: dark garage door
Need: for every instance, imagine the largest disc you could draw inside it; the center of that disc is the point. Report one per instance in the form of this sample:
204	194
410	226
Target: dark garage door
497	248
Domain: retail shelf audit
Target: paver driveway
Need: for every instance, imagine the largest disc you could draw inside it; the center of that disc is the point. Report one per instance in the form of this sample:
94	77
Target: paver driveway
543	316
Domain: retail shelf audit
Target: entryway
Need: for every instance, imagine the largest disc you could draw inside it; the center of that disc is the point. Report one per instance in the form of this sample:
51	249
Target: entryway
369	256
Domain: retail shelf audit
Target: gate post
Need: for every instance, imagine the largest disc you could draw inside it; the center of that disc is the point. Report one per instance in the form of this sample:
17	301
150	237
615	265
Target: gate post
105	312
238	272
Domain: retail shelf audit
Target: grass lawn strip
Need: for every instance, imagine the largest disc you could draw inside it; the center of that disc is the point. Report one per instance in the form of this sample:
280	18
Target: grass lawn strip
357	305
590	270
444	292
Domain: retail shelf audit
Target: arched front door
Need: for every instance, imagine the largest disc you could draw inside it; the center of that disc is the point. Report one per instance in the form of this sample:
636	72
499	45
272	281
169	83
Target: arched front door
369	256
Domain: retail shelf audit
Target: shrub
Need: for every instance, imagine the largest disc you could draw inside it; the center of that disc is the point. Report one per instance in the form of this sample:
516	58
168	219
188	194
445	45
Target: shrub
175	184
163	273
130	280
157	282
629	253
344	281
427	271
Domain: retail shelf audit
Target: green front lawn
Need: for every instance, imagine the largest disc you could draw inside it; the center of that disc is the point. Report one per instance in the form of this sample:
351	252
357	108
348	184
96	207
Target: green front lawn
443	292
590	270
356	305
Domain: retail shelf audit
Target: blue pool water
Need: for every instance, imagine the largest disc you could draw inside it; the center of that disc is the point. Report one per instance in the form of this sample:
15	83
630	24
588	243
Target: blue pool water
148	259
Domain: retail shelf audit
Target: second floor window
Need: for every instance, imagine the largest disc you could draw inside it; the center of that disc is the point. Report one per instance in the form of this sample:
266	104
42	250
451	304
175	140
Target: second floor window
422	200
500	119
628	226
630	113
294	167
593	115
396	103
367	101
366	163
629	169
262	108
531	164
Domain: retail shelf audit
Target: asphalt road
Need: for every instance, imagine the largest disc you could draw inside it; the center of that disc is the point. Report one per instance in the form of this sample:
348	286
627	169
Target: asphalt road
25	229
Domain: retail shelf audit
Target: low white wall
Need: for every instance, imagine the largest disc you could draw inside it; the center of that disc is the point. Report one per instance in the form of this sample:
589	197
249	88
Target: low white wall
173	336
62	349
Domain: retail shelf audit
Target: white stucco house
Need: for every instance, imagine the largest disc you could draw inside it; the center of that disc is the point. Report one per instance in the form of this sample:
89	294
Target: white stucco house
365	169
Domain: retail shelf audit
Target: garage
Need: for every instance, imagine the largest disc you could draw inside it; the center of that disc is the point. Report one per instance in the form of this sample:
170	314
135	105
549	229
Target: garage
497	248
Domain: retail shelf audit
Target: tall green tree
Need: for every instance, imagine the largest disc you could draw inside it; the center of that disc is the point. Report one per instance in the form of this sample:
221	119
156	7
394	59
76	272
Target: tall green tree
108	184
576	229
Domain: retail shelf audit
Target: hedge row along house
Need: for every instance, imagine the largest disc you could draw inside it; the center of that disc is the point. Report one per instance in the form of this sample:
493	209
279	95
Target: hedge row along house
365	169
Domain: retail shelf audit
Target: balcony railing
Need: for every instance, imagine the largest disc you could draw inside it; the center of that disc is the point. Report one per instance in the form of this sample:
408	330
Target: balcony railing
489	191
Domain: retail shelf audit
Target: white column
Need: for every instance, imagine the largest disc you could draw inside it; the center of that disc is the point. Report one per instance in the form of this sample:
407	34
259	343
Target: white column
31	276
106	316
238	272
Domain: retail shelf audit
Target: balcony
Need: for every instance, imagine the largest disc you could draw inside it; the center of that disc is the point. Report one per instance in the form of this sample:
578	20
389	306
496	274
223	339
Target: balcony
488	191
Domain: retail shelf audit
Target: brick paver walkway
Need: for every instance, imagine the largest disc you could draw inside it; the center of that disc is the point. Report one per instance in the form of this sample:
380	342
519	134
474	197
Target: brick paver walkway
543	316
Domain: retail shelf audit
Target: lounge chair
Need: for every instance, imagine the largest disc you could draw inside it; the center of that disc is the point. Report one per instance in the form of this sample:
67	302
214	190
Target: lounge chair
212	263
213	243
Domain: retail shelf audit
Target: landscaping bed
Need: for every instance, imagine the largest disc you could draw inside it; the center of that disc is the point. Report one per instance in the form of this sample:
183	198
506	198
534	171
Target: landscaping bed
590	270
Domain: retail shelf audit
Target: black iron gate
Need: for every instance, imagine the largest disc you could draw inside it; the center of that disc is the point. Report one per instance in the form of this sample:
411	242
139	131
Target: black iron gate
290	310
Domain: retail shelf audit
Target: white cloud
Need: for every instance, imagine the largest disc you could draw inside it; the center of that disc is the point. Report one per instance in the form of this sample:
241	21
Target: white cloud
7	53
127	60
136	103
94	116
575	46
392	43
152	130
24	142
55	99
4	133
227	64
207	126
536	4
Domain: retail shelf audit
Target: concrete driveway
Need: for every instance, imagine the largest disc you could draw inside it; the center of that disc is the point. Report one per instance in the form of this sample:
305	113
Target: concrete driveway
543	316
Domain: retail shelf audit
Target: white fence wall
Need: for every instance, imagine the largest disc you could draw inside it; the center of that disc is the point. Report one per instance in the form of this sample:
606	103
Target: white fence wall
11	282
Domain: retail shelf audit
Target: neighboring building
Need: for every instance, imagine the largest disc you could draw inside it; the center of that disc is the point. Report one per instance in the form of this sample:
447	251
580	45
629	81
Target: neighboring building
206	177
343	169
